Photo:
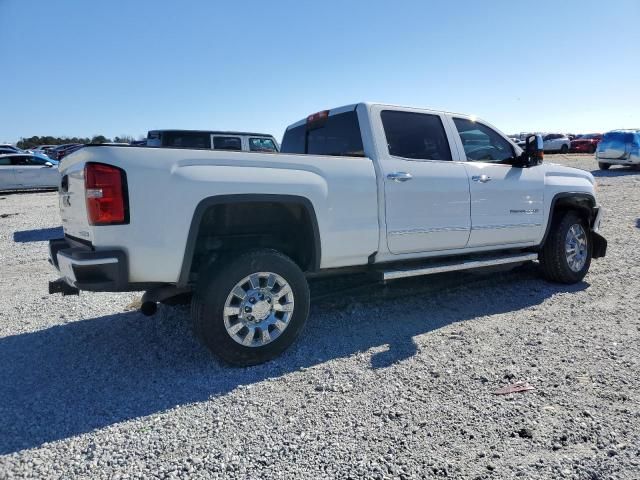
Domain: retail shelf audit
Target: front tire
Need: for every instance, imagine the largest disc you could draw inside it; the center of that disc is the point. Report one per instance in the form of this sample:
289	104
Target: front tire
604	166
566	254
250	309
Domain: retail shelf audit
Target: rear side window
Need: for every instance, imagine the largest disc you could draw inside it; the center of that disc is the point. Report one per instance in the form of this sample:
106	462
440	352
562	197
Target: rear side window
261	145
337	135
186	140
227	143
417	136
481	143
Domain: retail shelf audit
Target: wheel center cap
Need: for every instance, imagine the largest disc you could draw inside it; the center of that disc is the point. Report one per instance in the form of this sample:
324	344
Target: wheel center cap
261	310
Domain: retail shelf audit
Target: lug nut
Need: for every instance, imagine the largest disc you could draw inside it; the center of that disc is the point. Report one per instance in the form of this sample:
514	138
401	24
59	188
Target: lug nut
252	300
247	309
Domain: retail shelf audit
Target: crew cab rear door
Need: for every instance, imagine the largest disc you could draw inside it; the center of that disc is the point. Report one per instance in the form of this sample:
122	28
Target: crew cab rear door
426	191
7	173
506	201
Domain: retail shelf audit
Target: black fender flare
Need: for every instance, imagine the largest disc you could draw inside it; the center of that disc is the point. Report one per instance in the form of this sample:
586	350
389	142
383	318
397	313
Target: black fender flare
579	200
208	202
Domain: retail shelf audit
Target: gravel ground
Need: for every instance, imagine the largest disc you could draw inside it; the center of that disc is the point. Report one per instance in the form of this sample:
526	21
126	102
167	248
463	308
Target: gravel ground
392	382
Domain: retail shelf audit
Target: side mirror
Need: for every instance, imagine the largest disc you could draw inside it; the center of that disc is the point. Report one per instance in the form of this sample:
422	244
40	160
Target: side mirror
534	150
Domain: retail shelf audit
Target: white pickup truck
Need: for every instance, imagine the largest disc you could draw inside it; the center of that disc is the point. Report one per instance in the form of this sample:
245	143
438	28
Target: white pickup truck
391	190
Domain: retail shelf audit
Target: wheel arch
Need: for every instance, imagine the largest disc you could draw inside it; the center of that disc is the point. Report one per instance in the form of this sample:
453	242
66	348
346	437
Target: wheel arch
583	202
230	200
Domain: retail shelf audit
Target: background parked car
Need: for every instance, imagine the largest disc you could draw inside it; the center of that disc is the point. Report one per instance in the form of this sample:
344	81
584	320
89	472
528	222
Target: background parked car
556	142
587	143
6	148
619	147
214	140
61	151
21	171
44	149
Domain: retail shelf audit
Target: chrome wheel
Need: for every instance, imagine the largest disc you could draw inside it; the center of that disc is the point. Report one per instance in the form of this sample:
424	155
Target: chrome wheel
576	247
258	309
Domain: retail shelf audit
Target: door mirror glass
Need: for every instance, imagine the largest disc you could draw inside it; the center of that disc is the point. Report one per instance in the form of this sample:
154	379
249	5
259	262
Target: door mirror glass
533	150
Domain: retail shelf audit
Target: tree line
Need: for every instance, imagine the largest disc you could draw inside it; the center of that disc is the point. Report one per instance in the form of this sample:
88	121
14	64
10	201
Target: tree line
35	141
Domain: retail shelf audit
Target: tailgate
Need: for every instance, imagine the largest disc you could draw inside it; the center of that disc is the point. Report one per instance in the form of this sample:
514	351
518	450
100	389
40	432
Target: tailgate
612	150
73	209
615	145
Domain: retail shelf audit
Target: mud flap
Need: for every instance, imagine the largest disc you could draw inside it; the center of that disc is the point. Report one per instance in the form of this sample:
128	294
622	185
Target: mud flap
599	245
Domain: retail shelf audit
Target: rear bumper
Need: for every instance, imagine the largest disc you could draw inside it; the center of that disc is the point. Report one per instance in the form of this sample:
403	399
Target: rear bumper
630	160
86	269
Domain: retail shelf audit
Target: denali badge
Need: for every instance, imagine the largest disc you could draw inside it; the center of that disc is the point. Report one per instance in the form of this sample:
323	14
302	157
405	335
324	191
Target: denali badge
526	212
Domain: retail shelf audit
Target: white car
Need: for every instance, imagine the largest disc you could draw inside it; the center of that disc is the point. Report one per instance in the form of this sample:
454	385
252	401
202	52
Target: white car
556	142
25	171
389	190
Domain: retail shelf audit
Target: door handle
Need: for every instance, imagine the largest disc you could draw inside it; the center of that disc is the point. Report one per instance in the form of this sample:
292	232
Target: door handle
399	176
481	178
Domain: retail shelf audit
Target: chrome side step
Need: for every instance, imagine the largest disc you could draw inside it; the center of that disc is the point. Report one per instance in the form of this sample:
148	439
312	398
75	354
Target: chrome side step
454	265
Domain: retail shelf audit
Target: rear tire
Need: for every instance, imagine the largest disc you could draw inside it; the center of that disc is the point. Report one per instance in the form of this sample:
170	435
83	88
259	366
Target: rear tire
564	149
592	149
566	254
250	309
604	166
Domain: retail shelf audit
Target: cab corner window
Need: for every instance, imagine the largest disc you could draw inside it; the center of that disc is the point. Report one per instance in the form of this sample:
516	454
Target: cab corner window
416	136
481	143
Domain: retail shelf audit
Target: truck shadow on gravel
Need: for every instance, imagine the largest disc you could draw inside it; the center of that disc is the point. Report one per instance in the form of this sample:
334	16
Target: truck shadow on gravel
83	375
615	172
38	235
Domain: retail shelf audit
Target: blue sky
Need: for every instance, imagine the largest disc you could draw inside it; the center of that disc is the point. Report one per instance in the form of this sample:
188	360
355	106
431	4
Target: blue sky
74	67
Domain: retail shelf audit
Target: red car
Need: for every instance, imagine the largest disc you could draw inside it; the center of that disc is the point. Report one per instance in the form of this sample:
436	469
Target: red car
586	143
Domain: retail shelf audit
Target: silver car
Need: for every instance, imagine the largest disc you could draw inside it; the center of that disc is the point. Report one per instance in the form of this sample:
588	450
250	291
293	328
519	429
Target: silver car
619	147
25	171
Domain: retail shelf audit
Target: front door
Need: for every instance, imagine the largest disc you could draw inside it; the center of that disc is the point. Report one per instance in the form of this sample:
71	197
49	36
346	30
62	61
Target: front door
7	174
426	192
506	202
32	172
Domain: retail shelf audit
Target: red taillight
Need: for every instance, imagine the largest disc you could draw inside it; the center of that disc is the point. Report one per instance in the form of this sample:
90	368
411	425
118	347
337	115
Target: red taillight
106	194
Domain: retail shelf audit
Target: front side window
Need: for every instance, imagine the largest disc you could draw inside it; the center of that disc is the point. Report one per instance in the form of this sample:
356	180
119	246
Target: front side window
227	143
261	145
20	160
481	143
336	135
418	136
36	161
